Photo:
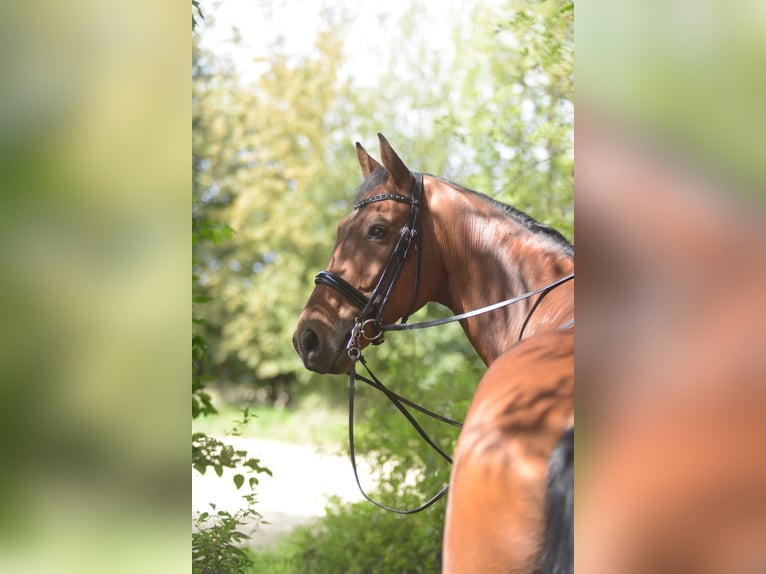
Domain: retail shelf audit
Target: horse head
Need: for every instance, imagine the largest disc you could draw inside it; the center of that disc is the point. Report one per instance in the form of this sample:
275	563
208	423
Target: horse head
362	280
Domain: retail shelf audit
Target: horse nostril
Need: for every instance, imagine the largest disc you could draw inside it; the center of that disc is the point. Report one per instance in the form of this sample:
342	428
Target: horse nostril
310	343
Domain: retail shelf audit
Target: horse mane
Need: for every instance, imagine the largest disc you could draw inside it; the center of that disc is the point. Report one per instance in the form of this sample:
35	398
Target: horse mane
380	175
519	216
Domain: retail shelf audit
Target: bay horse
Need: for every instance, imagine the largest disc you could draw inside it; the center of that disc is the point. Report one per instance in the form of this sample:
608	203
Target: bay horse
412	238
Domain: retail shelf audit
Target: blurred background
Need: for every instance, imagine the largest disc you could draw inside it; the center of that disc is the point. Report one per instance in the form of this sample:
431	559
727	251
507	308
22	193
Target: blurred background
94	139
671	249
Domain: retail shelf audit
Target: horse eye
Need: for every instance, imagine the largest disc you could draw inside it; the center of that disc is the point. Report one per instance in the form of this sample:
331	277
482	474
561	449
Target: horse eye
376	232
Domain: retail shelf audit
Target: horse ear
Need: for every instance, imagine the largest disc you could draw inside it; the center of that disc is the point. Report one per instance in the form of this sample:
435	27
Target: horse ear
366	161
395	166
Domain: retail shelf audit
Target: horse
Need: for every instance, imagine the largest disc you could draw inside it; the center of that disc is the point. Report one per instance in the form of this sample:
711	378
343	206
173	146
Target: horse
412	238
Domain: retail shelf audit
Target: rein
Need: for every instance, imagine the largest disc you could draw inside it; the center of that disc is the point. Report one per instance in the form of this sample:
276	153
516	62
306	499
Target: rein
369	316
479	311
399	402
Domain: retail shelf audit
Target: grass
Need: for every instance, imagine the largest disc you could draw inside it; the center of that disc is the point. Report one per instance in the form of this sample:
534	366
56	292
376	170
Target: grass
312	422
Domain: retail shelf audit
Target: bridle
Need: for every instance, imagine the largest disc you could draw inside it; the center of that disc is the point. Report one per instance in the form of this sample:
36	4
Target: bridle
368	324
372	308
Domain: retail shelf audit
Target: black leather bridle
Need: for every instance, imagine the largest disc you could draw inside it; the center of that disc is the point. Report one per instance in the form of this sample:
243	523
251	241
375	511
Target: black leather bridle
369	319
368	325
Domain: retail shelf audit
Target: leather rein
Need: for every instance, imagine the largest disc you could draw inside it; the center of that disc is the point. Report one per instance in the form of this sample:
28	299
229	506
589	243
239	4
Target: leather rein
368	325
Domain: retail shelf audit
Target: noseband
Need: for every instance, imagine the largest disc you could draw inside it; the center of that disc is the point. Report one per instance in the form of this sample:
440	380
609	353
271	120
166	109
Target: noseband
369	319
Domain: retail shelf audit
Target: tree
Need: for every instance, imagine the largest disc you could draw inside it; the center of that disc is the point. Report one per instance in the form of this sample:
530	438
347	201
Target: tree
266	163
518	83
215	536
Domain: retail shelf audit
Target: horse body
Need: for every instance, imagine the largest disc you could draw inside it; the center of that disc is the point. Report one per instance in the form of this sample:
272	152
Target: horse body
496	512
470	251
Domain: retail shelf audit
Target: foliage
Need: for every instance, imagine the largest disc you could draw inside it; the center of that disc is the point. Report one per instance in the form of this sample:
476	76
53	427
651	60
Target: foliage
209	452
519	83
196	9
360	539
260	163
202	230
216	539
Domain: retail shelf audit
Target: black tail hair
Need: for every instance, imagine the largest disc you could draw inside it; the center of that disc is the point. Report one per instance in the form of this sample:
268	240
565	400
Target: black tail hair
558	547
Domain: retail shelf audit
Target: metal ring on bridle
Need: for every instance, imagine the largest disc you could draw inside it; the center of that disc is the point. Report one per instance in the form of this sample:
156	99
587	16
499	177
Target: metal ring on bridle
378	334
354	353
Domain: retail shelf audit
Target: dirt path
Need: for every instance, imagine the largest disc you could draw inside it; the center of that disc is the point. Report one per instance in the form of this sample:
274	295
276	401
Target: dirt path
303	480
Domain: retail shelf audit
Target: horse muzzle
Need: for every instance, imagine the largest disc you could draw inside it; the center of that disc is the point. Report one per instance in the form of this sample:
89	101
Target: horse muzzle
321	348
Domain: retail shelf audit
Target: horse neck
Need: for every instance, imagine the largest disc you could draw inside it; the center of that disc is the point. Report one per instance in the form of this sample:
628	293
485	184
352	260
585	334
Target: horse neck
488	256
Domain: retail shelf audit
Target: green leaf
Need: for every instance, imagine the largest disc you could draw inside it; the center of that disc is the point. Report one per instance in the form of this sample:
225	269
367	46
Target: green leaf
239	480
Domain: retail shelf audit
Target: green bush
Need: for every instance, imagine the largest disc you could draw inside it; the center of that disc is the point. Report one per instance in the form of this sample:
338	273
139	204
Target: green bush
216	539
360	539
216	535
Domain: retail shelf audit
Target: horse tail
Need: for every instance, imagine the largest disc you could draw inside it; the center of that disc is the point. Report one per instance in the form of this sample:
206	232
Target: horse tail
558	547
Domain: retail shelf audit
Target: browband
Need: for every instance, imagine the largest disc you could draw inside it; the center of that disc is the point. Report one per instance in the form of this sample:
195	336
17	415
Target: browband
383	197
